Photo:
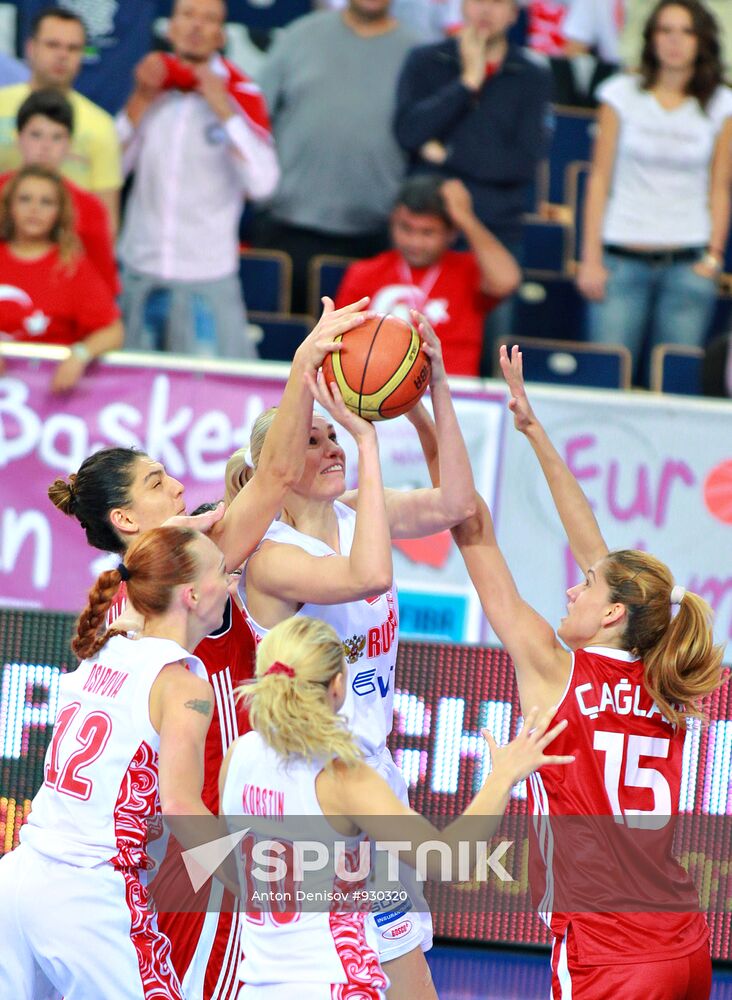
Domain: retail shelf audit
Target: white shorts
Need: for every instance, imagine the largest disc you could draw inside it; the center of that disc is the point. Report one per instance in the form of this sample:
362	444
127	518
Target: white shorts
403	929
305	991
80	933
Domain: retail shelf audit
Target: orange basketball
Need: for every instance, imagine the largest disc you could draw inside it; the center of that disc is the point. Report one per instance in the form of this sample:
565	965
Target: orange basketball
381	370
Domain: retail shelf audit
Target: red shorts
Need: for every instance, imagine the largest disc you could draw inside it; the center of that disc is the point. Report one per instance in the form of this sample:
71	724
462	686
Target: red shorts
687	978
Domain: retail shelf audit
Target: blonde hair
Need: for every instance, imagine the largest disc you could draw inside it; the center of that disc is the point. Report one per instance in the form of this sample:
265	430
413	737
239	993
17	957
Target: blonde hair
241	466
292	714
682	664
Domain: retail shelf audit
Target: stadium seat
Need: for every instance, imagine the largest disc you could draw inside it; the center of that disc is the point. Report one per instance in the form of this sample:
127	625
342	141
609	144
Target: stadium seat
548	305
574	130
565	362
266	280
546	244
575	185
326	274
675	368
278	335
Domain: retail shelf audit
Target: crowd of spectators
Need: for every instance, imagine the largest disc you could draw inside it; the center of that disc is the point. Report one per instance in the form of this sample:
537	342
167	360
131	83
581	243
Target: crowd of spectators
403	135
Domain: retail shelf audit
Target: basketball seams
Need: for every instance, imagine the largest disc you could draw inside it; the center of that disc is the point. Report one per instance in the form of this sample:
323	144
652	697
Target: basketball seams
365	368
399	377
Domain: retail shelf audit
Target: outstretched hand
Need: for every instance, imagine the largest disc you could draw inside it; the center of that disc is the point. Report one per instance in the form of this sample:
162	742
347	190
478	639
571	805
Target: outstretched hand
333	322
198	522
331	400
524	755
518	404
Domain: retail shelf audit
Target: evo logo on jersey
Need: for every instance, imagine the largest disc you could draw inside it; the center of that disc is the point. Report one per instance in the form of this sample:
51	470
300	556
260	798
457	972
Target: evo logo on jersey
104	681
622	699
365	682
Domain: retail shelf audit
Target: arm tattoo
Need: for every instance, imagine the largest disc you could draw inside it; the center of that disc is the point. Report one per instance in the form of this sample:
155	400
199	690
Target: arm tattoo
198	705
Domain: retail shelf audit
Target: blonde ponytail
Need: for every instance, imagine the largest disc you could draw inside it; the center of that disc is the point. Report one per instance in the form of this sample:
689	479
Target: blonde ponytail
292	713
682	664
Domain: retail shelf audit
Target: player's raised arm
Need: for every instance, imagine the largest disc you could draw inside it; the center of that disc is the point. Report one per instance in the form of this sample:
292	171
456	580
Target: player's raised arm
542	664
289	574
578	520
283	454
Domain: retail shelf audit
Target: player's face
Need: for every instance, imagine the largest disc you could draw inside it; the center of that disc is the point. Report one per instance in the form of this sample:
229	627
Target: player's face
420	239
154	496
211	586
55	53
675	40
34	209
490	18
43	142
196	29
323	477
589	611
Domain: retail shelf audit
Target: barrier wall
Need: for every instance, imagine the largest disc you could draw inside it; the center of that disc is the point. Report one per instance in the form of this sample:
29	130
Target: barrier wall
445	695
658	471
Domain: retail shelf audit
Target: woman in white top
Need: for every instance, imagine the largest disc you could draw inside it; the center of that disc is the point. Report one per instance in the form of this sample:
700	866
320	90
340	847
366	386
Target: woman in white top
658	202
329	556
127	744
301	761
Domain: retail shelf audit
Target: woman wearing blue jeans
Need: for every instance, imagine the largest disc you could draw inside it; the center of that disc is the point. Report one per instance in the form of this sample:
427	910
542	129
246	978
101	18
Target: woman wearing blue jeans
658	202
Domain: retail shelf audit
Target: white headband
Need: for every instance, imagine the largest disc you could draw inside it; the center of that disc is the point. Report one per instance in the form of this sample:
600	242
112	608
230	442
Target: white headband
677	594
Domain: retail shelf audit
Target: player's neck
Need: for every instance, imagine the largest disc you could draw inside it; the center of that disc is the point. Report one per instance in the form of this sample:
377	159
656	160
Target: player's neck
176	625
316	518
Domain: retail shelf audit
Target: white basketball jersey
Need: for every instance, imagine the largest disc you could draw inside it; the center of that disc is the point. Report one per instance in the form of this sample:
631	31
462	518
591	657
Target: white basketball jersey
101	769
286	944
369	631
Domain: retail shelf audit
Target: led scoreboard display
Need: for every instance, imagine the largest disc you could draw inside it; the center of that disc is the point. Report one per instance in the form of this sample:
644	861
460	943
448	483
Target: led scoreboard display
445	695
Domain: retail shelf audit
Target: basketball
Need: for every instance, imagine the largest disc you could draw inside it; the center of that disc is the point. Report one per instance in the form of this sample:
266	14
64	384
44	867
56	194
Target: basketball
381	370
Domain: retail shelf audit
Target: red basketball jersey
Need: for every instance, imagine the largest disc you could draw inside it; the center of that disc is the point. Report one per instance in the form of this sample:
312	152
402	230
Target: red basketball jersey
602	827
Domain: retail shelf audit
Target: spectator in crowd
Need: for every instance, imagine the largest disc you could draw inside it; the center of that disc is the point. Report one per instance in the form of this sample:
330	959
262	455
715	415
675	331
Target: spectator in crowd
51	294
54	52
716	376
429	20
45	124
658	203
12	70
476	107
454	290
594	25
330	81
196	134
637	13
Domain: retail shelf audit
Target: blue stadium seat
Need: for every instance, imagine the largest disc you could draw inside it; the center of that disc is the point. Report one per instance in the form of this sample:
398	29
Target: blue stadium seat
565	362
574	130
326	274
266	280
546	244
281	334
549	306
675	368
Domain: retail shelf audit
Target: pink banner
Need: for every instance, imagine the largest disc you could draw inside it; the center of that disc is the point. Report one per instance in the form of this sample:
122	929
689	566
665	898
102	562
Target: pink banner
191	422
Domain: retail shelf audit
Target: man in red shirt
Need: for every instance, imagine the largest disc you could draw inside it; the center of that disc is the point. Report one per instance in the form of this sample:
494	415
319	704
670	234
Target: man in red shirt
45	123
454	289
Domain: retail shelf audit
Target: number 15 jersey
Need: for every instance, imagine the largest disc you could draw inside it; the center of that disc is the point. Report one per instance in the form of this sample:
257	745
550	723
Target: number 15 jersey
602	828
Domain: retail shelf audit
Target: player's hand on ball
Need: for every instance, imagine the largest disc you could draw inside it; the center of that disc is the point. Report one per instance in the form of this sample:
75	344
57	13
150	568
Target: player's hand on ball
518	404
333	323
331	400
198	522
524	755
431	346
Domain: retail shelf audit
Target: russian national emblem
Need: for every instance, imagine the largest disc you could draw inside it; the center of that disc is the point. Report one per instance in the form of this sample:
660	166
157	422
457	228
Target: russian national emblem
354	647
